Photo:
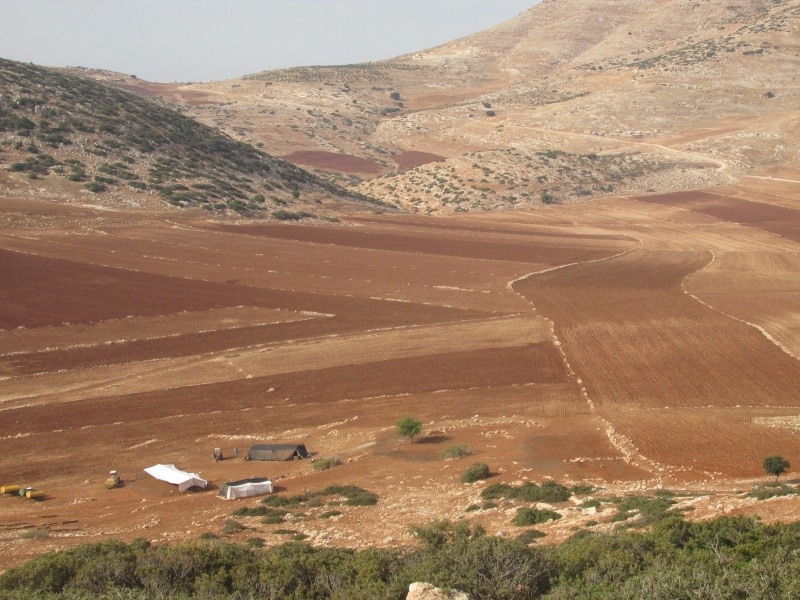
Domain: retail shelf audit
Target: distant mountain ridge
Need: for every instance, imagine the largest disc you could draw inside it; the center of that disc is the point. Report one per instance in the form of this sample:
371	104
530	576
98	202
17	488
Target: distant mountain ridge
568	101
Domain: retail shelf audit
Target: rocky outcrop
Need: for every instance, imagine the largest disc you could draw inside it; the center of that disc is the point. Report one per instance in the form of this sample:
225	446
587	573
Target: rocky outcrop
426	591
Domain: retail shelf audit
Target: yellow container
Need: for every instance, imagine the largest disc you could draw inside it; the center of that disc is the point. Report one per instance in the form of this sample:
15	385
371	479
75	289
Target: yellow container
34	494
9	489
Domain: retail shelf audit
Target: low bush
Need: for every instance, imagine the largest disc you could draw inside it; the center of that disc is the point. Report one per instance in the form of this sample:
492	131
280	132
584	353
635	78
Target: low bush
651	510
529	536
330	513
232	526
771	490
324	464
549	491
475	472
533	516
95	187
730	557
457	451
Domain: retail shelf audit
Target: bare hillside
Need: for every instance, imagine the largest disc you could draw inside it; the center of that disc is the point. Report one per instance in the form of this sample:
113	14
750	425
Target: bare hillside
670	95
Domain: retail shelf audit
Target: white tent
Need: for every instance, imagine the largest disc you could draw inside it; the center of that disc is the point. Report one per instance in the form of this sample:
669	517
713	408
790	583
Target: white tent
171	474
245	488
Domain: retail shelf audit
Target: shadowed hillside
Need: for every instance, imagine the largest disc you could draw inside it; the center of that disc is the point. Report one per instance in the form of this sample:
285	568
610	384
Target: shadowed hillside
108	140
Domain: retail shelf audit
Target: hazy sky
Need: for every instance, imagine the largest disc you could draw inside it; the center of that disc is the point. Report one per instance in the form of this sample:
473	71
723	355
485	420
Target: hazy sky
196	40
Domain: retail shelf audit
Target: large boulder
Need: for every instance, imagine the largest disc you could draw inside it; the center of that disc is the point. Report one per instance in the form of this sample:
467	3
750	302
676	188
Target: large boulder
426	591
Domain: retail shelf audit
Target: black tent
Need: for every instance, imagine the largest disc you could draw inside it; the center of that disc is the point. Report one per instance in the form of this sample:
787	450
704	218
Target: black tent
276	452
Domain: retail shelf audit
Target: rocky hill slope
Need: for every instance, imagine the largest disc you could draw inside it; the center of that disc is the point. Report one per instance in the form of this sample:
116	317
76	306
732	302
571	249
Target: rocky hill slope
570	100
120	146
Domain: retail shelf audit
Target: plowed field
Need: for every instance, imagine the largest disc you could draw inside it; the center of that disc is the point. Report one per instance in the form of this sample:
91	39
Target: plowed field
625	341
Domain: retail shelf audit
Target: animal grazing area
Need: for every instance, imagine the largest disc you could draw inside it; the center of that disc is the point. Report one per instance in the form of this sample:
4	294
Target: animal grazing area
616	343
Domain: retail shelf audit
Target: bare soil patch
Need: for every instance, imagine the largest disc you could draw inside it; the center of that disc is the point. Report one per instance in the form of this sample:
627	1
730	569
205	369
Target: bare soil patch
333	161
414	158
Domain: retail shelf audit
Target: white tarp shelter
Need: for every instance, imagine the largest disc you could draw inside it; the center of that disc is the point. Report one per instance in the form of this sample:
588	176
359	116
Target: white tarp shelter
171	474
245	488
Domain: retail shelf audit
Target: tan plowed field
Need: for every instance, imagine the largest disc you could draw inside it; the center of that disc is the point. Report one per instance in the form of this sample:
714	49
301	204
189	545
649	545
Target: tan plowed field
626	342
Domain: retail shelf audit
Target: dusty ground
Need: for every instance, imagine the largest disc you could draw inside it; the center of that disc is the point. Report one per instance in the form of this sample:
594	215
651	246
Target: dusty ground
637	343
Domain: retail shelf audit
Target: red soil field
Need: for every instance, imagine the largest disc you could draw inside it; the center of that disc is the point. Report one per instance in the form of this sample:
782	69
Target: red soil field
608	342
774	219
415	158
333	161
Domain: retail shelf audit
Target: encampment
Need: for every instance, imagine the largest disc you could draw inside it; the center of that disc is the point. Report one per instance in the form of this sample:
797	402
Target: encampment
245	488
276	452
172	474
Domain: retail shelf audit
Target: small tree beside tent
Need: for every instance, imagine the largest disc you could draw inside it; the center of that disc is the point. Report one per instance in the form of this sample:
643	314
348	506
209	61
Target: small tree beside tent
775	465
409	427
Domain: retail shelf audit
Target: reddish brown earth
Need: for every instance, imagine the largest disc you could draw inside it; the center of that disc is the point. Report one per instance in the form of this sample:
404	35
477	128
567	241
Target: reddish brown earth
414	158
633	343
333	161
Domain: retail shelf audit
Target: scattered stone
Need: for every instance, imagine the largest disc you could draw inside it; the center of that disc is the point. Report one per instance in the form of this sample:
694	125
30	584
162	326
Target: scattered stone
426	591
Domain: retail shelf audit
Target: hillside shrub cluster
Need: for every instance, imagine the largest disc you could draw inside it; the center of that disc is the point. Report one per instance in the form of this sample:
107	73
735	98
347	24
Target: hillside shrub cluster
136	138
549	491
731	557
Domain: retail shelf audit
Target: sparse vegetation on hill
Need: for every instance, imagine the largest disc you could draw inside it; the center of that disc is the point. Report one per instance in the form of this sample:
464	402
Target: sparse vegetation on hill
53	122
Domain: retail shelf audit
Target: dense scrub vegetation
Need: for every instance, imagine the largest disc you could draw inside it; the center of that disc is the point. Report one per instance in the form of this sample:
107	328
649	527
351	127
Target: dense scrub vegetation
731	557
113	139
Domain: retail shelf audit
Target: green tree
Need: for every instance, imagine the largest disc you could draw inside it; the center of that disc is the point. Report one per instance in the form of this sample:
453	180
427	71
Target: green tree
775	465
409	427
395	95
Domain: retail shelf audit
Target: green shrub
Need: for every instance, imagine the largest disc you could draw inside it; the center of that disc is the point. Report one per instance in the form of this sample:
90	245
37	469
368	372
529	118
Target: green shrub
232	526
549	491
457	451
652	510
534	516
95	187
529	536
475	472
330	513
324	464
255	542
766	491
36	533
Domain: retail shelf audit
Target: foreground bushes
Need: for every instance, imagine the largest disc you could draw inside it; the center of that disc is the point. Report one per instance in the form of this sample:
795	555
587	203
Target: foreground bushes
727	558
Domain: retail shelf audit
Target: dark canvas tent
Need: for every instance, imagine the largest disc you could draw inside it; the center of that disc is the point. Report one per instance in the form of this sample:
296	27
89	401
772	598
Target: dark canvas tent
277	452
245	488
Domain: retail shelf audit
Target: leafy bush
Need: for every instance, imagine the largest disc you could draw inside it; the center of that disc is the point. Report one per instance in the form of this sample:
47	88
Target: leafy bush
232	526
533	516
475	472
457	451
549	491
652	510
529	536
730	557
764	492
324	464
330	513
37	533
95	187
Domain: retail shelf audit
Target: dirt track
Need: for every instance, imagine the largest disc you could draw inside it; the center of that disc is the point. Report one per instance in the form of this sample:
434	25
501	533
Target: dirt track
634	346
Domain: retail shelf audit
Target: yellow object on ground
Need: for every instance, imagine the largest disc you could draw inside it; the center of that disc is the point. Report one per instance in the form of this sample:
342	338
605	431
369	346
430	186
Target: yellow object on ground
9	489
32	494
